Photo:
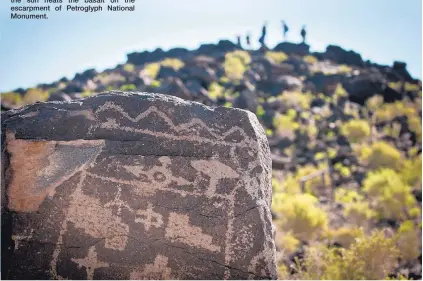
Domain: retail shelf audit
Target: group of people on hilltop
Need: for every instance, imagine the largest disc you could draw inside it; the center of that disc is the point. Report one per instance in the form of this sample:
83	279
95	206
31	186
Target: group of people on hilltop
262	38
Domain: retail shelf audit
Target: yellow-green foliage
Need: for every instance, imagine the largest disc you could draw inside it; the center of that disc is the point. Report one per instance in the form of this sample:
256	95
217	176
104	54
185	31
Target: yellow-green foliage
277	57
343	170
176	64
236	64
152	69
343	68
216	90
381	155
393	129
129	67
408	241
374	102
356	130
296	99
34	95
285	125
356	210
155	83
301	216
128	87
340	91
412	172
388	111
415	125
260	111
408	87
313	185
287	242
369	258
310	59
345	236
392	198
12	99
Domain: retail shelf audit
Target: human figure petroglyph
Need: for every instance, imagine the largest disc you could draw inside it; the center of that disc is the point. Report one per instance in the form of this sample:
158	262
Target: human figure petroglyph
179	229
149	218
90	262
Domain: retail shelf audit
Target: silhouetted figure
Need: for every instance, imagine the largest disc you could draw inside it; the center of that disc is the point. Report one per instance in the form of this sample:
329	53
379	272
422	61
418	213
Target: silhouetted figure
285	29
238	40
247	38
303	33
263	34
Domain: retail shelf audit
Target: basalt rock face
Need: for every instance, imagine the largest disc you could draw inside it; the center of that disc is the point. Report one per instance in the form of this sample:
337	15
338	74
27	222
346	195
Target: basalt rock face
135	186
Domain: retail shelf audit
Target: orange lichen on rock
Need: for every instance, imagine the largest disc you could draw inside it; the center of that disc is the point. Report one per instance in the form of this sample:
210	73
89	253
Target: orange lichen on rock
26	159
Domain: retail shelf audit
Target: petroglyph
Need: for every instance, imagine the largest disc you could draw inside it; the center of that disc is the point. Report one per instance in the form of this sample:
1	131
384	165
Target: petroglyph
159	270
155	186
179	229
149	218
216	171
87	213
90	262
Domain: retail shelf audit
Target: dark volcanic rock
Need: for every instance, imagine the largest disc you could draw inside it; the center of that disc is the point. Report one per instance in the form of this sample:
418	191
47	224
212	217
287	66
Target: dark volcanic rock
135	186
301	49
341	56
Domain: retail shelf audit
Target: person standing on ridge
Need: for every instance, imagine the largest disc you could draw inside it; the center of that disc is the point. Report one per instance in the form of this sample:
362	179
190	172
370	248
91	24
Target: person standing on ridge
303	33
238	40
285	29
263	34
247	39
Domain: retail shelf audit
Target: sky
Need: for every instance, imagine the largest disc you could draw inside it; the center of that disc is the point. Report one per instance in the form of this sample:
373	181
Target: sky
43	51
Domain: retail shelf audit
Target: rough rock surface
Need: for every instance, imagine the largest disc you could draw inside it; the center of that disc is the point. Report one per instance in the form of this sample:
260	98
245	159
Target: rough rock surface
135	186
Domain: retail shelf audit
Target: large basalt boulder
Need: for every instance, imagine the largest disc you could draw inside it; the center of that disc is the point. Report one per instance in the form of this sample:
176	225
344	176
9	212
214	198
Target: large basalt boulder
341	56
135	186
289	48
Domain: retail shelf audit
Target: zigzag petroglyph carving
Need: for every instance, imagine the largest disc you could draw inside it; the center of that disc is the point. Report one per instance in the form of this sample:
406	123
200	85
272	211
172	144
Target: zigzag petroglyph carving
138	186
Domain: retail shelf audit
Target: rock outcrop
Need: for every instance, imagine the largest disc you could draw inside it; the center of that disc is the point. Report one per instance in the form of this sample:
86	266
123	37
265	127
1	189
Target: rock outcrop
135	186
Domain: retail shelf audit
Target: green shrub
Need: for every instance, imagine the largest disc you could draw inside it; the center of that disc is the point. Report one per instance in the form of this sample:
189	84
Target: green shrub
236	64
409	241
374	103
343	170
345	236
344	69
310	59
128	87
11	99
286	242
368	258
356	130
34	95
260	111
390	195
284	125
215	90
176	64
152	69
388	111
296	99
155	84
411	172
129	67
302	216
381	155
277	57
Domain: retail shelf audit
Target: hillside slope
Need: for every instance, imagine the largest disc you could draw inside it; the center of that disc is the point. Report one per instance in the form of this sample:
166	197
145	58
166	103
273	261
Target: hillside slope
345	136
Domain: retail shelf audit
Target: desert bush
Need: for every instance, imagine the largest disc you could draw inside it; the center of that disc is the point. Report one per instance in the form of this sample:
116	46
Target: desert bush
388	111
392	198
368	258
284	125
345	236
155	84
176	64
313	185
11	99
343	170
344	69
34	95
411	172
356	130
374	103
415	125
302	216
215	90
296	99
236	64
381	155
286	242
128	87
260	111
152	69
129	67
409	241
277	57
310	59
